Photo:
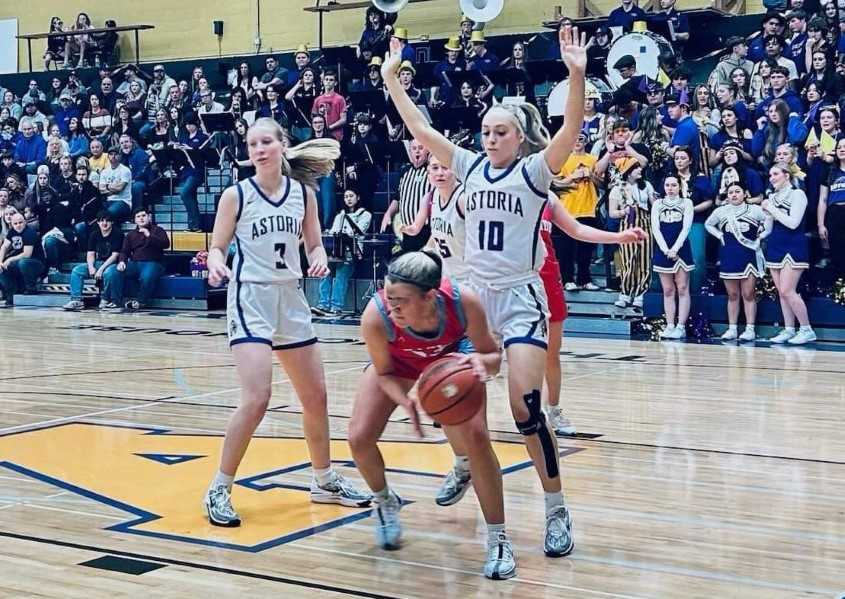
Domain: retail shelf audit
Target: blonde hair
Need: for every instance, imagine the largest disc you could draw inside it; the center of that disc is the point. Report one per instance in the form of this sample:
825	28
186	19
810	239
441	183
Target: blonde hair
530	124
308	161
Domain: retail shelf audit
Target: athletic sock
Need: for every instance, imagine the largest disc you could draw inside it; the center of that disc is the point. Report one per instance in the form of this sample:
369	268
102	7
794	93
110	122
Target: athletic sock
493	531
789	330
749	327
382	495
461	464
323	475
222	479
553	500
806	328
732	327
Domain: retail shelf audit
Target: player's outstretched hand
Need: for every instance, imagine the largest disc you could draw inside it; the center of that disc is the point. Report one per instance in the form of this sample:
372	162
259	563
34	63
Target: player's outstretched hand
393	60
634	235
573	49
217	273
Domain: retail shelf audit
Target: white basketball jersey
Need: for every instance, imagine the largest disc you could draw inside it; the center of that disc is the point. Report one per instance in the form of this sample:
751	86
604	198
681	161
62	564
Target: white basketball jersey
267	233
448	230
503	212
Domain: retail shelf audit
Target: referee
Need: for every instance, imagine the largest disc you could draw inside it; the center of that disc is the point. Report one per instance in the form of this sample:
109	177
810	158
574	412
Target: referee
413	189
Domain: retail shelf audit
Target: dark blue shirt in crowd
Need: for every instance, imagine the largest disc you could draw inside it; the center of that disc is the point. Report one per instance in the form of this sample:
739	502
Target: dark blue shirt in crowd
138	162
794	51
680	23
718	139
619	17
485	64
104	247
686	134
792	99
18	241
63	115
836	185
194	142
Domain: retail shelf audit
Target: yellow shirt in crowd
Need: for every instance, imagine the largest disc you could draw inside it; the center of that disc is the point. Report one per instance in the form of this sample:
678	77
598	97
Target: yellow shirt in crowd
580	201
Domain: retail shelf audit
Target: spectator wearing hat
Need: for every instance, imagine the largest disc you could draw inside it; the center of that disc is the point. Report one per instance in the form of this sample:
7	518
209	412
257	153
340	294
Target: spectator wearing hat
361	153
21	259
633	90
443	94
191	137
797	22
687	129
625	15
483	59
772	23
406	52
302	59
630	203
103	249
396	129
464	38
655	95
115	185
597	50
140	259
736	59
780	90
161	84
349	226
130	74
66	110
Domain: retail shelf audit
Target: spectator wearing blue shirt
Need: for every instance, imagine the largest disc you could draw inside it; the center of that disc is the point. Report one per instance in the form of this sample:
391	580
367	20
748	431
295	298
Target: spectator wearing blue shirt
375	38
776	128
830	214
484	60
302	60
77	141
779	81
64	112
773	24
139	164
21	259
192	176
794	50
624	15
686	131
454	61
675	22
732	129
407	51
31	149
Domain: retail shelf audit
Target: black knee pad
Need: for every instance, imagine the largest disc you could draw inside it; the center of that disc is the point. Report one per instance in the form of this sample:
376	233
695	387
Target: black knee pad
536	424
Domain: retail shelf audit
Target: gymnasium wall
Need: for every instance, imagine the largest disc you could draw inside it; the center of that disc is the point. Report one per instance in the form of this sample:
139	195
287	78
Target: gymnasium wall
184	30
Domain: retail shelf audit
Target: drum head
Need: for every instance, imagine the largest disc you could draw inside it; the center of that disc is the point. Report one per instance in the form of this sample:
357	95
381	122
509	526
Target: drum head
645	47
560	93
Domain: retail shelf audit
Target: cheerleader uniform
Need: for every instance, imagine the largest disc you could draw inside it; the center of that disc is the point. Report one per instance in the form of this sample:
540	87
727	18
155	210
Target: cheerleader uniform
787	244
550	272
671	219
739	228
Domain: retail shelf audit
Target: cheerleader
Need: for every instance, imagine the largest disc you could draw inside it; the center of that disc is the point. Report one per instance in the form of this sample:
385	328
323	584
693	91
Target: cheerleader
671	220
787	254
739	226
629	202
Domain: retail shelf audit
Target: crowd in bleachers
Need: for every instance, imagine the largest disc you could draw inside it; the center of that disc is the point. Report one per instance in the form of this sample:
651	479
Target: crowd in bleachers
104	146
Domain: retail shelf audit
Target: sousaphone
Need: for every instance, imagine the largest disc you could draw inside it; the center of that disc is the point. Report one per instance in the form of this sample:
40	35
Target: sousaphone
481	11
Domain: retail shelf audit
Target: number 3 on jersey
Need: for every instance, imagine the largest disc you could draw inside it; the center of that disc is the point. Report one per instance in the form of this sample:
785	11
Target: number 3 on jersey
280	249
443	248
491	235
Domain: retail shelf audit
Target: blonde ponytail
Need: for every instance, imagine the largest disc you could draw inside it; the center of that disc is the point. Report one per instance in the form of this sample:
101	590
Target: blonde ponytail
308	161
529	122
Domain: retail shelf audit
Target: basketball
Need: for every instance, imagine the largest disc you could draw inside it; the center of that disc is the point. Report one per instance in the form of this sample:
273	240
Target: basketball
449	392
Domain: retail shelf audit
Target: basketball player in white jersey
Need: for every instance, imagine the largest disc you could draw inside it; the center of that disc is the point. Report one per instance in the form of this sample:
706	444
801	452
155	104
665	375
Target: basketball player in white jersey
506	191
267	312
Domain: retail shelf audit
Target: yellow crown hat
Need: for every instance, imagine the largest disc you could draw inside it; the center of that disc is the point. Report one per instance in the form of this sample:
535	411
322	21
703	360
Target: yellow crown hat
400	33
453	45
477	36
301	49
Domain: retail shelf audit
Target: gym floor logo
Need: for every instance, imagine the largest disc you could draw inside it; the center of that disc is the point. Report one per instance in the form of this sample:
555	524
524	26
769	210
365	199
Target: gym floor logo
156	479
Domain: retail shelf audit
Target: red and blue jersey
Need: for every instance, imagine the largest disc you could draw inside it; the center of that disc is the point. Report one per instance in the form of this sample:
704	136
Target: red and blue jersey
410	351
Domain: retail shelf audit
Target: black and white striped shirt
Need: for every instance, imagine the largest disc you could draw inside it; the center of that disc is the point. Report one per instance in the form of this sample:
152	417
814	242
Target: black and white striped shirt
413	188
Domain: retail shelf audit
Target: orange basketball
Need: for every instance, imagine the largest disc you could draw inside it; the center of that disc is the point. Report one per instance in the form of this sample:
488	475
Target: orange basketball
449	392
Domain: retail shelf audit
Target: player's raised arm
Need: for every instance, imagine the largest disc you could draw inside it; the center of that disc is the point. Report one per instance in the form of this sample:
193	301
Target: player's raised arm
574	54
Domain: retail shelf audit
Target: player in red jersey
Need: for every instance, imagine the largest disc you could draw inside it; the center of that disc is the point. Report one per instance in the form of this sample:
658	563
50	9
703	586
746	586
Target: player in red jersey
553	285
416	319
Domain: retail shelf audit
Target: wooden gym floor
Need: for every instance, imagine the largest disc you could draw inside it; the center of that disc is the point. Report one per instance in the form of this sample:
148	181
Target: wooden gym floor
704	471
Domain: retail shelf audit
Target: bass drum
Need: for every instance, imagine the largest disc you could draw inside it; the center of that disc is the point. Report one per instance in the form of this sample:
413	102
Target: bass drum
647	48
557	97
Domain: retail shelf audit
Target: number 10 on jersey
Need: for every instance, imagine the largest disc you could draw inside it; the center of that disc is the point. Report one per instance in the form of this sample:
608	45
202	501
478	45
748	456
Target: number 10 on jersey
491	235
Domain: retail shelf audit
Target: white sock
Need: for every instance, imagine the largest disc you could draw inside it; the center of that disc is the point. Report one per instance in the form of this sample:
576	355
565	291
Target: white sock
493	531
749	327
382	495
553	500
732	327
222	479
461	463
323	475
554	409
789	329
807	328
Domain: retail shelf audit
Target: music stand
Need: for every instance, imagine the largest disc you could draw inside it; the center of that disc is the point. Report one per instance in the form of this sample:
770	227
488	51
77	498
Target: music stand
374	244
371	100
457	78
222	122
